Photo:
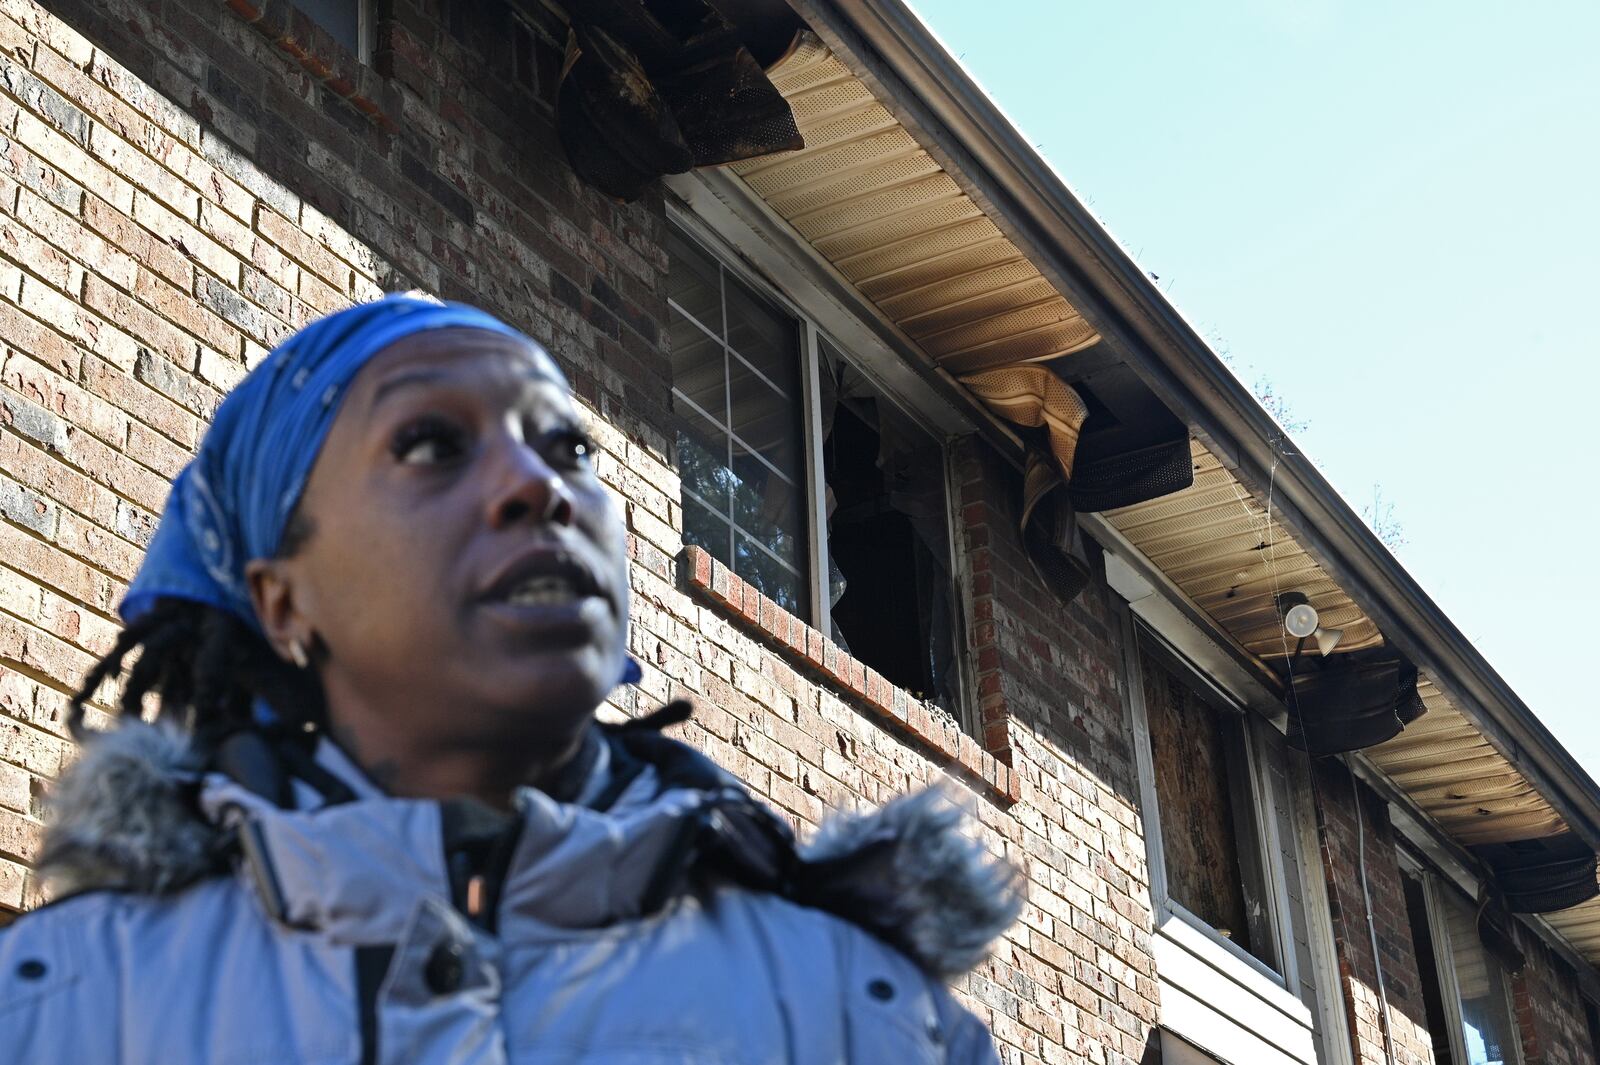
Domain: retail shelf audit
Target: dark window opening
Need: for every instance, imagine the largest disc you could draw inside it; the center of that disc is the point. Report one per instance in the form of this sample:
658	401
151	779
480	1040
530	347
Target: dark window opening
1209	838
1591	1016
455	18
890	587
341	18
1428	972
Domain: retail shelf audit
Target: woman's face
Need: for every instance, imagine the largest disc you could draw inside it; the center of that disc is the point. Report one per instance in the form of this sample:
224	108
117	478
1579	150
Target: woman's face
463	572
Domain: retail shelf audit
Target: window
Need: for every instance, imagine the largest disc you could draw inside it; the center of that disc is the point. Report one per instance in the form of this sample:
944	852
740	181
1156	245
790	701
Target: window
1243	946
1465	988
737	404
522	51
1211	844
345	20
1425	951
766	407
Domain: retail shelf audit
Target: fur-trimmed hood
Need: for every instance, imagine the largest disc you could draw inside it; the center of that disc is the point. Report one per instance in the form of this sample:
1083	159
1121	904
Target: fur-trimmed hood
136	814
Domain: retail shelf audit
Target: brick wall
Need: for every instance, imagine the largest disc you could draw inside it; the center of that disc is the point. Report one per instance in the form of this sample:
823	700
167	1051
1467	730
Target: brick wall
1549	1008
1341	836
182	183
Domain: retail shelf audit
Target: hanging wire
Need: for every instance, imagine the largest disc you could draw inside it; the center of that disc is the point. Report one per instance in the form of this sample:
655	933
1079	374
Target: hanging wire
1311	776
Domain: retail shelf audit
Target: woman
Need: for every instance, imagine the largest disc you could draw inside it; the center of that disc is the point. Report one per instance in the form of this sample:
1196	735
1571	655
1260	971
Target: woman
376	820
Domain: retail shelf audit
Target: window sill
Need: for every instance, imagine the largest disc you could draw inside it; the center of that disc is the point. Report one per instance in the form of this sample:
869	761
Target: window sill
324	58
808	650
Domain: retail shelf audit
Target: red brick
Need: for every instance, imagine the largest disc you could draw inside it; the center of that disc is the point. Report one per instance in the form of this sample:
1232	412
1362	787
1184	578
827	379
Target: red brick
141	402
307	252
750	604
128	314
699	566
816	648
121	231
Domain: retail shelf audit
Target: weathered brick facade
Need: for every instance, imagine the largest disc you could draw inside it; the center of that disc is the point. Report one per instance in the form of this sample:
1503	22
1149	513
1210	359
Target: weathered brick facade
1549	1008
1343	847
184	182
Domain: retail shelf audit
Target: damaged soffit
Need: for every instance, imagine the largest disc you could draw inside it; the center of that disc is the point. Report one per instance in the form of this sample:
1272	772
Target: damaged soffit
888	218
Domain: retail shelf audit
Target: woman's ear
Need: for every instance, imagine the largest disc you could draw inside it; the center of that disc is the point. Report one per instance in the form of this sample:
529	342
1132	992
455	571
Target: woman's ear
272	593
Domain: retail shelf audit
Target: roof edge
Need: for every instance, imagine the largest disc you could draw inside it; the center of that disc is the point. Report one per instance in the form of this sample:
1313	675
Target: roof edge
1115	294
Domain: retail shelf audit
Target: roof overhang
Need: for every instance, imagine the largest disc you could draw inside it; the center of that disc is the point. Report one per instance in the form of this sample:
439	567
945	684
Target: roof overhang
1119	300
917	208
979	162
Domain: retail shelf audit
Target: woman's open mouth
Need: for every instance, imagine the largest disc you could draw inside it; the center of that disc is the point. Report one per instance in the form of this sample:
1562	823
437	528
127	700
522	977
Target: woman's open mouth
550	595
551	590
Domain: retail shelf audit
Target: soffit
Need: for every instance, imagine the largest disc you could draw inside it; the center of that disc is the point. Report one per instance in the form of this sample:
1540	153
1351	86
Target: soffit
1219	545
1447	768
878	208
1579	926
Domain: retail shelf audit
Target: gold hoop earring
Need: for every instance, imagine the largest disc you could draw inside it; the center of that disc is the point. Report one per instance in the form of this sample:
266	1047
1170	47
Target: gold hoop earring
297	654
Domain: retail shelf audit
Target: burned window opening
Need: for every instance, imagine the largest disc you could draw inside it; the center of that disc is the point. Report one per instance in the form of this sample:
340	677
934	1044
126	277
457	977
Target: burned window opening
889	584
768	414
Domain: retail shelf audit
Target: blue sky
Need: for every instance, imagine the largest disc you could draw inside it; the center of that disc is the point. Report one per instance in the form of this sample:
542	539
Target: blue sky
1391	212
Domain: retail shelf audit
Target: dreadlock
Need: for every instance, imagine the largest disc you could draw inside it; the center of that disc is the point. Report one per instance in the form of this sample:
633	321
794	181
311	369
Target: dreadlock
207	667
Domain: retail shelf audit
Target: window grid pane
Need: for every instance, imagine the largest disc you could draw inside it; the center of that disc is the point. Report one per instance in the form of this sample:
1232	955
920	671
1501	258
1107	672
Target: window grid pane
738	420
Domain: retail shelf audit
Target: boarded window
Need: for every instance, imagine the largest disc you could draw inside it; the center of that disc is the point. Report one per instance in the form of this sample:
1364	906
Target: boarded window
1209	836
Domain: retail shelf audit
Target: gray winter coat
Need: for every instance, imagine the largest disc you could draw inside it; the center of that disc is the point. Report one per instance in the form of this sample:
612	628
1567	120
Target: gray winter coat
200	923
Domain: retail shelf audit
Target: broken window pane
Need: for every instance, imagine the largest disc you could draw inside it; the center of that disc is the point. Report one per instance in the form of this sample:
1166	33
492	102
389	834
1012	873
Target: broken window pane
1209	840
890	584
740	390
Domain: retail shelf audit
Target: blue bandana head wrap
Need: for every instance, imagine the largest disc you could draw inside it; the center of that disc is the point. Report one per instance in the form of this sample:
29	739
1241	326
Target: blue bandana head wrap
231	503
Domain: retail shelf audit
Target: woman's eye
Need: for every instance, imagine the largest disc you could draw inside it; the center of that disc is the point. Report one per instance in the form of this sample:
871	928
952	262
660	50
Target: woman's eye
571	447
427	443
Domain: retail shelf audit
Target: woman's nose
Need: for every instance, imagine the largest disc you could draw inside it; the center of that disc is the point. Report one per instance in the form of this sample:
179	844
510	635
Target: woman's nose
529	490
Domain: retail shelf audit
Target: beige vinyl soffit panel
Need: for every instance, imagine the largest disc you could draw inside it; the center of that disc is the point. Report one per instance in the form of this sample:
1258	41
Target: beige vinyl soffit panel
878	208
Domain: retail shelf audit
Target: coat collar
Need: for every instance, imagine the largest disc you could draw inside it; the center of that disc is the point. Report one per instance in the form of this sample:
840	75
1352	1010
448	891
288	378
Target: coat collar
137	813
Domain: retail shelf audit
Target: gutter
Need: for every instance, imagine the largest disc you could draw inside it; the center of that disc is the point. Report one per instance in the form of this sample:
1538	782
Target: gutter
928	91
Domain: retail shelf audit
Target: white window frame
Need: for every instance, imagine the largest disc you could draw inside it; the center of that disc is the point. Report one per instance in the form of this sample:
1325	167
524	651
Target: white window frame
815	329
1264	828
1259	1004
1434	886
